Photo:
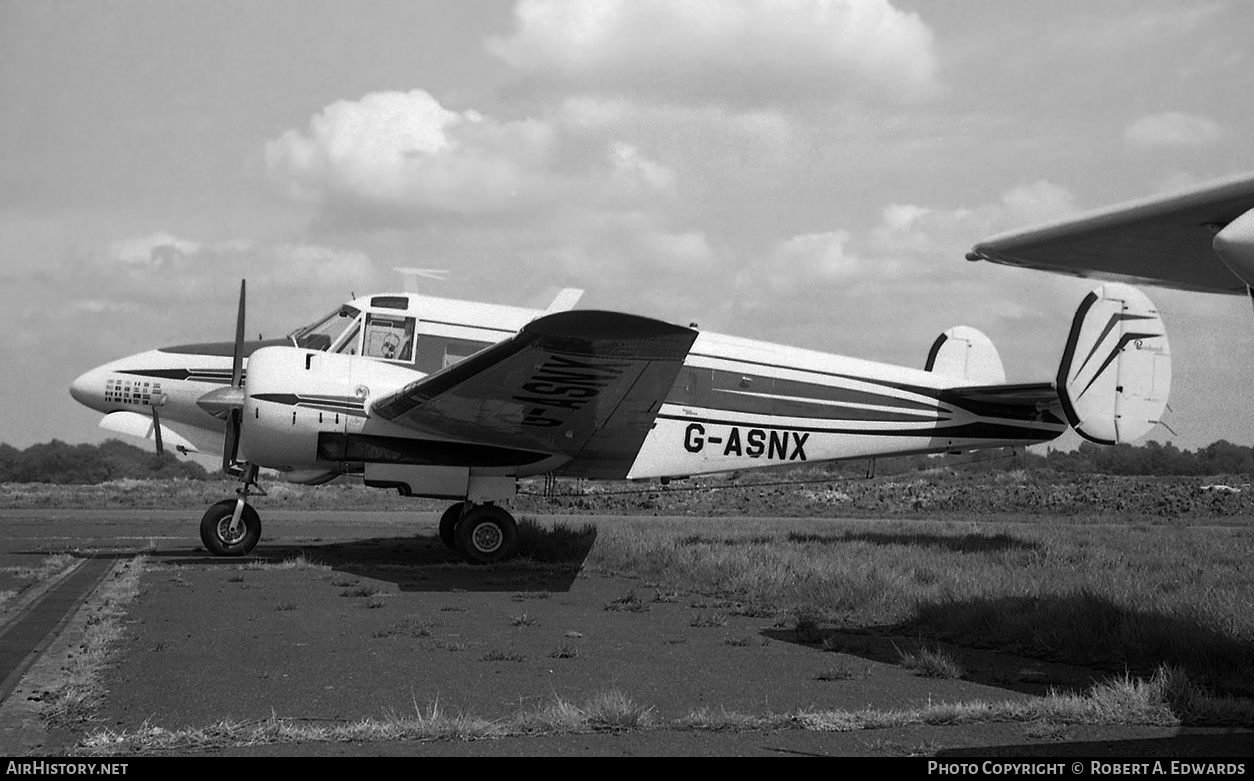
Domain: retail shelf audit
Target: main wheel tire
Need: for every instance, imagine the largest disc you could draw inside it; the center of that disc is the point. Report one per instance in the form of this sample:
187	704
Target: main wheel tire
448	525
487	534
215	529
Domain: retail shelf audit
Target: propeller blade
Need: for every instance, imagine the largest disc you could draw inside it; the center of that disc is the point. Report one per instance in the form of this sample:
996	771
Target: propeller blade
237	359
231	447
156	430
235	417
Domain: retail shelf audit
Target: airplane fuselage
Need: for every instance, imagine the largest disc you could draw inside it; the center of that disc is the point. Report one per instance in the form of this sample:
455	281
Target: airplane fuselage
735	404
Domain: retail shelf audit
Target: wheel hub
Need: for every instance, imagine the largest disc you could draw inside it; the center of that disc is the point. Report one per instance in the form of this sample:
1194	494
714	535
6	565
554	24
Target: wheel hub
487	537
224	531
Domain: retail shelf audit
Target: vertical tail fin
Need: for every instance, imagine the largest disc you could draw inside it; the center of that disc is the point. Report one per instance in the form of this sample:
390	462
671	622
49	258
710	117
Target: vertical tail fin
965	352
1115	374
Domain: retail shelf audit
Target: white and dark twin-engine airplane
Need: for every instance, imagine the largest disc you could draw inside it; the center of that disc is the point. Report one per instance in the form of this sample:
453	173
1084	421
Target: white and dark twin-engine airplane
459	400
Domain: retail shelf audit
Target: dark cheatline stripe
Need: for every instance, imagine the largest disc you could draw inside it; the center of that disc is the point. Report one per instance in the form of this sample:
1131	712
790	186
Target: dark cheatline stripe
345	405
224	349
802	391
902	386
191	375
804	408
978	430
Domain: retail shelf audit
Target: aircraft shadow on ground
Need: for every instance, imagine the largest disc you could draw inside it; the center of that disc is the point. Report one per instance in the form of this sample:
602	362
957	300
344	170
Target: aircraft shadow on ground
548	560
1039	644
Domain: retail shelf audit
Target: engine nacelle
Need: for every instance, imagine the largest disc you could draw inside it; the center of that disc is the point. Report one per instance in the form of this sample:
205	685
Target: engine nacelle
292	396
1235	246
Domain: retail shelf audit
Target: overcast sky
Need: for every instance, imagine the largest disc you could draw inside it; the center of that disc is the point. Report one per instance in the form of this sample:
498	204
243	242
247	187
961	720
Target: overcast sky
805	172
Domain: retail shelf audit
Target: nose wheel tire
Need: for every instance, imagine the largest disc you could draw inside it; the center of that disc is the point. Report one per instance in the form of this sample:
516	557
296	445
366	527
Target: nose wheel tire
486	534
216	533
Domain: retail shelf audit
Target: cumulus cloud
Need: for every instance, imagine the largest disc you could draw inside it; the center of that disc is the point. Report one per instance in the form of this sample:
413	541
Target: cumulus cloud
913	253
162	273
147	251
757	51
403	151
612	247
821	257
635	177
924	233
1172	128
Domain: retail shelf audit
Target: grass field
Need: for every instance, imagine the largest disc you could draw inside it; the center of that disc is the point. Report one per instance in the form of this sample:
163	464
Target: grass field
1119	598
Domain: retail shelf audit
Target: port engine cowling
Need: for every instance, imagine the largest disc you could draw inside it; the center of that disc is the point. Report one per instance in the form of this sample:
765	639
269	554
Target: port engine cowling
292	395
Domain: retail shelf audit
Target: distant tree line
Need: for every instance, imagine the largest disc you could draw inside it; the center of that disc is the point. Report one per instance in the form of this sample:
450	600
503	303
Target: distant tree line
58	462
1150	458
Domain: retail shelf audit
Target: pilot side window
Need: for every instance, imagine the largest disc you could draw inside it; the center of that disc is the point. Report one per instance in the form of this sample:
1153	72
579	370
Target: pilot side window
390	338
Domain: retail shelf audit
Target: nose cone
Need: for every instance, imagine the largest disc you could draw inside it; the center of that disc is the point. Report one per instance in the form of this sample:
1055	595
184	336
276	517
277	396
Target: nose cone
88	389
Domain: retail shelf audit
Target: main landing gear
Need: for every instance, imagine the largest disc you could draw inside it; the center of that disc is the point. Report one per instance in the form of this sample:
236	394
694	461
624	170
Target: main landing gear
482	533
232	527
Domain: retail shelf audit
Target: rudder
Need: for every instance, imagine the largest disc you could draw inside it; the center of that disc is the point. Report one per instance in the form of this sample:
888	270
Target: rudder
1115	374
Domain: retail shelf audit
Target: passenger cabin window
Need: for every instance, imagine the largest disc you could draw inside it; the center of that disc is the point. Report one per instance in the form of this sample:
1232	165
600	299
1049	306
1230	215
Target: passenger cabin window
389	337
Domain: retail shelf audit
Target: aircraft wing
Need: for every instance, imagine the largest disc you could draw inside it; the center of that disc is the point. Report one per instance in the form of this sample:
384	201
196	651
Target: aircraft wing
581	384
1166	240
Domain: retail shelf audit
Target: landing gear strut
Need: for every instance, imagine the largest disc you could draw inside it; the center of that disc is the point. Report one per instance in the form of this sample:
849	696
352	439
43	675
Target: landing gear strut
482	533
232	527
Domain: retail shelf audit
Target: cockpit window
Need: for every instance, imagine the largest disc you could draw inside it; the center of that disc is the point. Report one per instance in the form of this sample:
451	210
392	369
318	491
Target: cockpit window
348	344
390	338
323	334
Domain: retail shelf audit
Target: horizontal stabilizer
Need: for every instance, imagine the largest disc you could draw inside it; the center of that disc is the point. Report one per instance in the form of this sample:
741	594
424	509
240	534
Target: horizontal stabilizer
1115	374
967	354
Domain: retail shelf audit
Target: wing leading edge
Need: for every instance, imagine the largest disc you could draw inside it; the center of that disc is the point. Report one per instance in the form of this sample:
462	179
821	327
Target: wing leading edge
582	384
1168	240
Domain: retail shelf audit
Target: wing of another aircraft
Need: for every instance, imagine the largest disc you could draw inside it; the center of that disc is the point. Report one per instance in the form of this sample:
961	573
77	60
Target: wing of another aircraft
582	384
1167	240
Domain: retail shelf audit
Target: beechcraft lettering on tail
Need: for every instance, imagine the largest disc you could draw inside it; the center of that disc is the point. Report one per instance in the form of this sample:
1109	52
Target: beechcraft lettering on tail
461	400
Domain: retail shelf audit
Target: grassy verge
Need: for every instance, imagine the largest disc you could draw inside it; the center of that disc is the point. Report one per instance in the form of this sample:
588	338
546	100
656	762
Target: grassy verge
1166	699
75	699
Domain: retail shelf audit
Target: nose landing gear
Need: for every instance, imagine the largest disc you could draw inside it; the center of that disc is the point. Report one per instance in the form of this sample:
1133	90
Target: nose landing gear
232	527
